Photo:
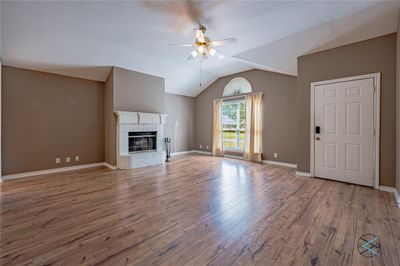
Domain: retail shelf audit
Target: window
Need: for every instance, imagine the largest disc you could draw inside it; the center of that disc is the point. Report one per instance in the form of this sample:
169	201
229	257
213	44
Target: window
237	86
233	125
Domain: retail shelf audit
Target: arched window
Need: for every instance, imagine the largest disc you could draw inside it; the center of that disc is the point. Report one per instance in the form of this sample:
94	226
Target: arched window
237	86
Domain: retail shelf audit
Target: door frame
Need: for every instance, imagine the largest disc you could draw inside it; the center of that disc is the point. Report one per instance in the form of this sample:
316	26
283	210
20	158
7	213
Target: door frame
377	102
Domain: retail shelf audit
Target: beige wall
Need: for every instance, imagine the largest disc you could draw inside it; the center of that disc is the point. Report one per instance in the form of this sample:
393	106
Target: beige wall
47	116
398	109
109	120
69	116
138	92
180	121
279	100
371	56
131	91
1	171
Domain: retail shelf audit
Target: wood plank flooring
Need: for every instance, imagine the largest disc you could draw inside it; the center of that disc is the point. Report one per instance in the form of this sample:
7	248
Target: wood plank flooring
196	210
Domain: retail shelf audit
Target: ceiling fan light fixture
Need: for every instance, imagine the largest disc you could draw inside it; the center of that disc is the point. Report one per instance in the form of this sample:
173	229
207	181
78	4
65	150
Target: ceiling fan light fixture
204	46
194	53
200	49
211	51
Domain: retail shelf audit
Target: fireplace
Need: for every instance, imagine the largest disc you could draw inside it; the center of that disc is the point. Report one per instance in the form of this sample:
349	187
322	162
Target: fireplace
142	141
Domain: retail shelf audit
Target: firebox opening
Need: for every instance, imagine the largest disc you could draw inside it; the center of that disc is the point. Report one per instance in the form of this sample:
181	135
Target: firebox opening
142	141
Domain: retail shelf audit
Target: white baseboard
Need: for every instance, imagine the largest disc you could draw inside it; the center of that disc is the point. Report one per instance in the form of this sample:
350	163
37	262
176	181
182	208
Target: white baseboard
202	152
280	163
299	173
391	190
191	151
234	157
78	167
387	189
397	196
112	167
51	171
181	152
57	170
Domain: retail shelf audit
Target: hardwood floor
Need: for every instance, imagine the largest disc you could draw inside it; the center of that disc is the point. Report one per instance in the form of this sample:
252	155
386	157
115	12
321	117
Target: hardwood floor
196	210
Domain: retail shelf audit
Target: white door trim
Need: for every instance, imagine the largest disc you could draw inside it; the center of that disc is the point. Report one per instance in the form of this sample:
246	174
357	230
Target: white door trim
377	96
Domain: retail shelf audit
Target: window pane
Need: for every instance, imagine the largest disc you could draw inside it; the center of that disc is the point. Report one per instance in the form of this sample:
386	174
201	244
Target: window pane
242	115
233	124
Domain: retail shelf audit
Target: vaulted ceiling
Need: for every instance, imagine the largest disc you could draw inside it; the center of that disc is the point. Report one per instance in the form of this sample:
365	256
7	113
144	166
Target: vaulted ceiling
83	39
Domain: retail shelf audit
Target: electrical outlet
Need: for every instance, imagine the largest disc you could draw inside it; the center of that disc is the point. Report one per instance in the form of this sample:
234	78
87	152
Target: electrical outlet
68	159
58	160
275	155
201	146
76	158
207	147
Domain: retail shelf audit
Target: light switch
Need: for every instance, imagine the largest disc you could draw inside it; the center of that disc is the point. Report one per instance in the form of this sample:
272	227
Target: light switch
58	160
68	159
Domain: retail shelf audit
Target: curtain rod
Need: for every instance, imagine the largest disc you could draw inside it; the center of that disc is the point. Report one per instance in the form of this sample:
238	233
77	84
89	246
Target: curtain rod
239	96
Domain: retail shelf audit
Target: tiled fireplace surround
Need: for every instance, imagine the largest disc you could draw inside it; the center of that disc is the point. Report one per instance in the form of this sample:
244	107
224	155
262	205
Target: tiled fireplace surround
139	122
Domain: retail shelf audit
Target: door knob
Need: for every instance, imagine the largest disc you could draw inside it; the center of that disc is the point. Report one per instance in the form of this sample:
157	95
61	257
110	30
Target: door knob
317	138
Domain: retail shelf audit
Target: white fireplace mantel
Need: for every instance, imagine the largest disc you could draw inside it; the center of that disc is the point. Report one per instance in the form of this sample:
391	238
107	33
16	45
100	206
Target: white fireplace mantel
139	122
140	118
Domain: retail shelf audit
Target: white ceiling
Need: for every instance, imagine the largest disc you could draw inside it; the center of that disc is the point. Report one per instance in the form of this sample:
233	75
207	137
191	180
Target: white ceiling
84	39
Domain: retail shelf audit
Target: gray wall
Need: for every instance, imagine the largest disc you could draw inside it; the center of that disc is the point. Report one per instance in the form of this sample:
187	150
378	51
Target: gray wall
279	101
375	55
45	116
127	90
180	121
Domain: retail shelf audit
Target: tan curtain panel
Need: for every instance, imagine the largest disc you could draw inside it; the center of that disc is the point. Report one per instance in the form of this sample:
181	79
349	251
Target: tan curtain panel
253	139
217	148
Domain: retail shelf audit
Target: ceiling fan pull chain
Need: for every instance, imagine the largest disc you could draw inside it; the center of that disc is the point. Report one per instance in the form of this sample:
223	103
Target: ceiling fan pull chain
201	61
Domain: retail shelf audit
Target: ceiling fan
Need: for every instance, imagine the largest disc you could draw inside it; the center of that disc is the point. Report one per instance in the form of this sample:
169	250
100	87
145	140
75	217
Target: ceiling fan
204	46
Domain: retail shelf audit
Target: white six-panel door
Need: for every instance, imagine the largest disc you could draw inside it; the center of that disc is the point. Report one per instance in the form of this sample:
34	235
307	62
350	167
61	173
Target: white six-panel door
344	148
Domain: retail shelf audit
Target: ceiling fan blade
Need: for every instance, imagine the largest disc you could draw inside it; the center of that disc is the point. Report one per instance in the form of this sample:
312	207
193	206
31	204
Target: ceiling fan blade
181	44
223	41
219	55
200	36
190	57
